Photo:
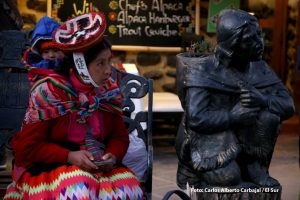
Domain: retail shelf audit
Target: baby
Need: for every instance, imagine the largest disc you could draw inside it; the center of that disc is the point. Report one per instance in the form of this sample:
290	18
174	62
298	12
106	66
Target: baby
45	54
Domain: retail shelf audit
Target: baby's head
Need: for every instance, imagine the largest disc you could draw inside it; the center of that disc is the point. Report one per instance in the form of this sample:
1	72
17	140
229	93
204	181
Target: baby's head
42	41
49	51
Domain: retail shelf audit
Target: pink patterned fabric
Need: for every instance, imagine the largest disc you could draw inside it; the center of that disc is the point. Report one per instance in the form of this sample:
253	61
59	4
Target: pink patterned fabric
62	184
77	131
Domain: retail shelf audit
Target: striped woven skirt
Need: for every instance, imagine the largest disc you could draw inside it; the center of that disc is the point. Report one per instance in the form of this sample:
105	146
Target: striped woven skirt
71	182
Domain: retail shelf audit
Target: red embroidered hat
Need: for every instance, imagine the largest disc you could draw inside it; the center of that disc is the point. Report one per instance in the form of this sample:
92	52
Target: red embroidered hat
81	32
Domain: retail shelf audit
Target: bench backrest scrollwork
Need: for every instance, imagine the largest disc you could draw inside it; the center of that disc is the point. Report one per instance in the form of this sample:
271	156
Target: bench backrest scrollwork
134	89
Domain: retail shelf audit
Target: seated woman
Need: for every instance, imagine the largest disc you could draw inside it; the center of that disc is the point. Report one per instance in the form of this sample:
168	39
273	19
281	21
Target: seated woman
73	138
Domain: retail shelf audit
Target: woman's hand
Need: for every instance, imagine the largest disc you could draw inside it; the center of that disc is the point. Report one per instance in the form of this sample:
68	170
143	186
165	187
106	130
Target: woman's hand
110	161
82	159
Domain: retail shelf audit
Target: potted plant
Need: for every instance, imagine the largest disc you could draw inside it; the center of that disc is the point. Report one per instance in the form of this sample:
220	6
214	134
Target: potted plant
197	49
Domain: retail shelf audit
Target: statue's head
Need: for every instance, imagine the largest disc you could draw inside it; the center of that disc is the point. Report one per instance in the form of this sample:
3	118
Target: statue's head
238	36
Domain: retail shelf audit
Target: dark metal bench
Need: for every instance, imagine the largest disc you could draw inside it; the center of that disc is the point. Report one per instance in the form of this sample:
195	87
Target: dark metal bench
14	94
136	87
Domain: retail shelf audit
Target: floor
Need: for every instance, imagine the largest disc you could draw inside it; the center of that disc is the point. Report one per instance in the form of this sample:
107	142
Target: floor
284	166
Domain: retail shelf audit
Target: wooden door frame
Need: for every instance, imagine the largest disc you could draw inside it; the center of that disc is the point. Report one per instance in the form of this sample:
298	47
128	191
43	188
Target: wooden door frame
278	62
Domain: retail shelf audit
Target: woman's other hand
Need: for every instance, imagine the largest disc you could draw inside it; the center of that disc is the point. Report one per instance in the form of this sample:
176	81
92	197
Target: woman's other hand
111	160
82	159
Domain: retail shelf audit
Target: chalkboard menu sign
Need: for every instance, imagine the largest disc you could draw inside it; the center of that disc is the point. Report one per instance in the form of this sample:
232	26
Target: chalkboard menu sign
156	23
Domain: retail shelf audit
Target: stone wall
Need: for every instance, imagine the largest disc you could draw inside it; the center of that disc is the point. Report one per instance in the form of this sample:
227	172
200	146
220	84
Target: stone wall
158	66
32	11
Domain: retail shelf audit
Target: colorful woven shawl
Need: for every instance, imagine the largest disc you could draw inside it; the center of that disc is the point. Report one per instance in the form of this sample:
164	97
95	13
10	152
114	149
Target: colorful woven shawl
52	96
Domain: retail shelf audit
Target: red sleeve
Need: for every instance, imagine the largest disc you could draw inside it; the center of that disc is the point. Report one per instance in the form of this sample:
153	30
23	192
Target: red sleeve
118	140
31	144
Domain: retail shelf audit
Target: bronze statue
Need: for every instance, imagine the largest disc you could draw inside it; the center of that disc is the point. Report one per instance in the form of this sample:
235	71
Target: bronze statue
234	104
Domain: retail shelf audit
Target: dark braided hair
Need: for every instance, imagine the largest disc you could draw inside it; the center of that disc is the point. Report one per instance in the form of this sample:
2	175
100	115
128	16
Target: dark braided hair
92	52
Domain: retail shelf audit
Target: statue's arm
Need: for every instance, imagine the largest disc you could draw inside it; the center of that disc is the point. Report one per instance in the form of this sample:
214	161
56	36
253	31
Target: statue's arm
280	102
200	115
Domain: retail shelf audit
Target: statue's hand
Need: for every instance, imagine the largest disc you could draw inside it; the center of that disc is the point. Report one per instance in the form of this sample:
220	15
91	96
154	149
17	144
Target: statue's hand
253	98
243	115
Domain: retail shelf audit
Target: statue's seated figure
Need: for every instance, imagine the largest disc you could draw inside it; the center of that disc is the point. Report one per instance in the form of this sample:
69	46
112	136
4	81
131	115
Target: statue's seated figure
234	104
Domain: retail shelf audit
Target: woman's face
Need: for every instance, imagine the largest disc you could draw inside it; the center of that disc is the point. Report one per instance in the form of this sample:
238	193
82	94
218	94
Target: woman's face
100	67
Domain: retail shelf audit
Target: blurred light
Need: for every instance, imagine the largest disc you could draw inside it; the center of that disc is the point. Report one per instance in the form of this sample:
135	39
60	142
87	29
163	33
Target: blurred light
251	13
